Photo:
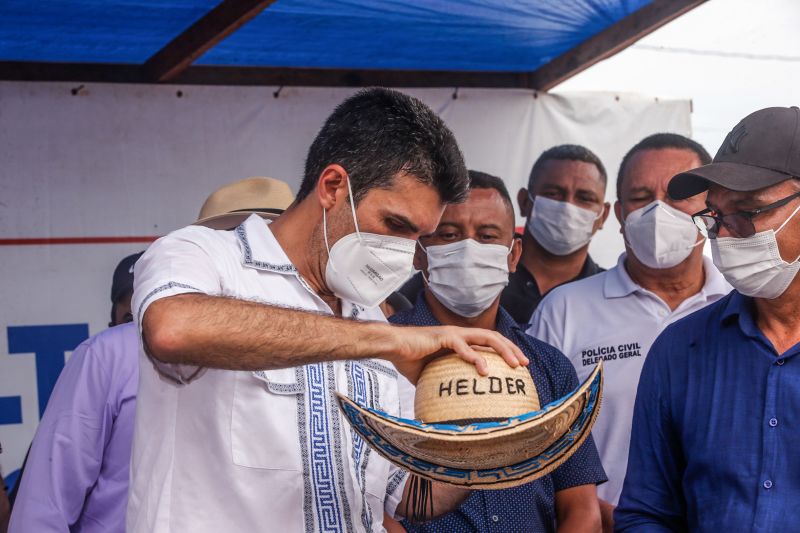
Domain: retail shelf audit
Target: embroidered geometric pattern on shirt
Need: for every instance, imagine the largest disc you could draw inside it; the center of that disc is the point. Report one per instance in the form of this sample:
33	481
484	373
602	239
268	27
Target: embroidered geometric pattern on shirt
302	433
326	502
248	256
370	363
357	390
395	480
280	388
162	288
338	454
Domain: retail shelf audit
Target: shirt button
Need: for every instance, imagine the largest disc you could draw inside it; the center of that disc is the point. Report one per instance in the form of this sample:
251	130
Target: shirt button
495	518
780	362
773	422
768	484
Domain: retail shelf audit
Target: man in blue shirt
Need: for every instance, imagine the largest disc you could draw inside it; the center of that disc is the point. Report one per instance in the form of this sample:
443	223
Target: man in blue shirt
714	436
466	265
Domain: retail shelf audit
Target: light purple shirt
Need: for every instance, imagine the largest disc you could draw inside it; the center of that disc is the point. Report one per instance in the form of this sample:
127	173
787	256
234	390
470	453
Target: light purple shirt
76	477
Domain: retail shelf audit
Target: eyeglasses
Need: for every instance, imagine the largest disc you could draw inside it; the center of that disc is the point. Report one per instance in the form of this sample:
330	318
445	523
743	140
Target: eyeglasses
739	224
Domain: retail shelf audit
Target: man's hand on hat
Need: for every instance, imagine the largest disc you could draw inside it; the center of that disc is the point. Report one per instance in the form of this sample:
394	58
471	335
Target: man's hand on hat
416	346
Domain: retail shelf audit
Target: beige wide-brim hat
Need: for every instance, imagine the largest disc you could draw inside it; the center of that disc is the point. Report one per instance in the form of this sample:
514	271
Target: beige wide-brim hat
230	205
499	453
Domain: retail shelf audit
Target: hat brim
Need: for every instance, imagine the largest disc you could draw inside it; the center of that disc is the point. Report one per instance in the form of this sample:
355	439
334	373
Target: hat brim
733	176
487	455
227	221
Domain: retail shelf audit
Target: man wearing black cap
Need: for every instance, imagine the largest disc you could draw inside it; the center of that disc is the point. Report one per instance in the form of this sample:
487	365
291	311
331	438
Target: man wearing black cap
122	290
714	436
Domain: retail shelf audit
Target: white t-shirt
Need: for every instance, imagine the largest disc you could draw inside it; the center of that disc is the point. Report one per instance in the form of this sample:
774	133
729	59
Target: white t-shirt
608	316
229	451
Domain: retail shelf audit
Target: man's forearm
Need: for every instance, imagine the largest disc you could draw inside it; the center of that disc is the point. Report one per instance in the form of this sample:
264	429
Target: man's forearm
607	516
219	332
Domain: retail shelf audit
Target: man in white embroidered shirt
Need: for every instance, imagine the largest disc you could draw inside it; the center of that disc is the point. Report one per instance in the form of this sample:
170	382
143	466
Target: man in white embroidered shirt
244	349
615	316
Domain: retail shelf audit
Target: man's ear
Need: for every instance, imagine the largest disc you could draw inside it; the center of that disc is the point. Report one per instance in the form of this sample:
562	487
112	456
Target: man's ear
604	216
618	214
524	202
515	255
332	186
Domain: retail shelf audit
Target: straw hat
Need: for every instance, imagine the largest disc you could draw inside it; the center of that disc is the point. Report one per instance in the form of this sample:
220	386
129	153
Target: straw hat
230	205
482	432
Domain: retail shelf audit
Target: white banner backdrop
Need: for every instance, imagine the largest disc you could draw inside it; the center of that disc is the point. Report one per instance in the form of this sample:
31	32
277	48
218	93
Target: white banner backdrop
118	161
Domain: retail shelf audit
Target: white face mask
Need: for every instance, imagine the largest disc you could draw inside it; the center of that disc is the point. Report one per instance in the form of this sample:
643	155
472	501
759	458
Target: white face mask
560	227
659	235
753	265
467	276
365	268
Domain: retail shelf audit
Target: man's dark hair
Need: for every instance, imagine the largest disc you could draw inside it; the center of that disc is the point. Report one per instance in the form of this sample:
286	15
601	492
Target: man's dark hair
566	152
377	134
482	180
659	141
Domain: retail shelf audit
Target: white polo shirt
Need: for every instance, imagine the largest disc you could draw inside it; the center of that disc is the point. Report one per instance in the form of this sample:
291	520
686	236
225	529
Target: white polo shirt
228	451
608	316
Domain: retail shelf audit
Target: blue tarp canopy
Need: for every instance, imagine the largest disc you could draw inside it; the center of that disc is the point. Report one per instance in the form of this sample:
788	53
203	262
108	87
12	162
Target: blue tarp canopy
478	36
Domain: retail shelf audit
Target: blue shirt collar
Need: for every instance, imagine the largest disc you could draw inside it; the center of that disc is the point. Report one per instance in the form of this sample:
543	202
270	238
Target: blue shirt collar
421	314
741	307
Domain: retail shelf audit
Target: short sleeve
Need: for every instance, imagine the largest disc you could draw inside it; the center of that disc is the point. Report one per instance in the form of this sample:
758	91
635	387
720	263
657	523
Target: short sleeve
394	490
584	466
178	263
544	323
181	262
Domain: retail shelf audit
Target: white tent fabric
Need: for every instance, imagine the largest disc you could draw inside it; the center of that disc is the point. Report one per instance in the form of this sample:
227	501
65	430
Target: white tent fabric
124	160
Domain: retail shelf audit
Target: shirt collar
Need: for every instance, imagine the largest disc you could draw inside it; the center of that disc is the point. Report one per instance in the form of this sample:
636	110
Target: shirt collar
421	314
618	282
740	307
260	248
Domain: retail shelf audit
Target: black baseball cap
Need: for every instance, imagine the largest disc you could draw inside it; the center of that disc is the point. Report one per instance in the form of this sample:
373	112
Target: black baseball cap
123	277
762	150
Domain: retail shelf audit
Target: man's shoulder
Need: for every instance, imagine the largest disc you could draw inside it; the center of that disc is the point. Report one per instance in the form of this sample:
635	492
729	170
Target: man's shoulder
546	357
586	289
704	320
117	346
205	238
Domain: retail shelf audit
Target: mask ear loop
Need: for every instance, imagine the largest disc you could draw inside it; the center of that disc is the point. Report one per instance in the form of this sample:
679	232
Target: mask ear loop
353	207
325	223
419	243
796	209
325	236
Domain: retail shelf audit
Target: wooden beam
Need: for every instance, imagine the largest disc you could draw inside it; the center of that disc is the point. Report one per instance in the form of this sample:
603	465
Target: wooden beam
201	36
73	72
610	41
313	77
209	75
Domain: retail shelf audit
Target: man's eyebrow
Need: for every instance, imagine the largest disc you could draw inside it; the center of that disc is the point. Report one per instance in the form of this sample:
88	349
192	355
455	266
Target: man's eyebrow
490	226
403	221
556	186
587	191
634	190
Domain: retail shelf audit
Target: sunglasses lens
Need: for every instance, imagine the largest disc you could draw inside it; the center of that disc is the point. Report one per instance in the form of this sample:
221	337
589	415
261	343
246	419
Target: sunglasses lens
706	224
740	225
